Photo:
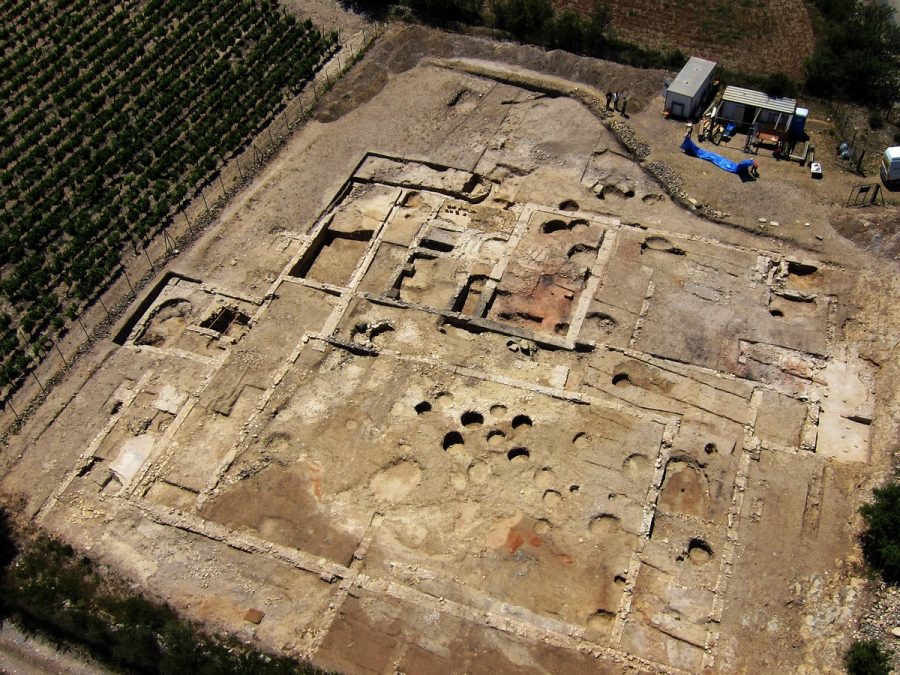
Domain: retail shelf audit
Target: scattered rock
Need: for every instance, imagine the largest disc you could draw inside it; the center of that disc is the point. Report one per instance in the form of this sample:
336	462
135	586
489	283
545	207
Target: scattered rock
254	616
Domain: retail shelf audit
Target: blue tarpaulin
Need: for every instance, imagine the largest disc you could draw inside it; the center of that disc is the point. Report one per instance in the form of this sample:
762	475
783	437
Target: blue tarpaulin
691	148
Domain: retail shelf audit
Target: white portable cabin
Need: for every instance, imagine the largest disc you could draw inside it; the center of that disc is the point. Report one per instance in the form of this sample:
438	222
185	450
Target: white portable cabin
688	92
746	107
890	165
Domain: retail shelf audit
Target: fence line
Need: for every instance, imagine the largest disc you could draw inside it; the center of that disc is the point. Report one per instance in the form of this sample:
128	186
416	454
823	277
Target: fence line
235	172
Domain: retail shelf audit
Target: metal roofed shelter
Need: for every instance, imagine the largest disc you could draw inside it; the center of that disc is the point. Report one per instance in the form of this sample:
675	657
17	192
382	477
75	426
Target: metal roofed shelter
746	108
688	91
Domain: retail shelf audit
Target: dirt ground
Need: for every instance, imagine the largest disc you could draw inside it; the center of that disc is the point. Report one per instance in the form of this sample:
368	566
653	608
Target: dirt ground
453	386
22	654
762	37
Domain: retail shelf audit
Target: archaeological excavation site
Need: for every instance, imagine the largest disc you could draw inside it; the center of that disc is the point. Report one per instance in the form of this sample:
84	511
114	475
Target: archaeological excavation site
459	384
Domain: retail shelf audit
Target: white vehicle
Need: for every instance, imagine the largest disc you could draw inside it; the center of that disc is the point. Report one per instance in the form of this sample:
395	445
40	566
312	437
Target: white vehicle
890	166
815	169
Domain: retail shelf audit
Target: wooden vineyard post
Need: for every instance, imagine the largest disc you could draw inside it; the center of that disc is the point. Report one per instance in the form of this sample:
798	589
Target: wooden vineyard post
9	403
171	245
34	375
81	323
127	280
59	351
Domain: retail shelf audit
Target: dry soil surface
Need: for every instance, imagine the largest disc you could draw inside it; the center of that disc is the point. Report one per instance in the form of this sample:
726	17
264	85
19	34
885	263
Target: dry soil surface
455	386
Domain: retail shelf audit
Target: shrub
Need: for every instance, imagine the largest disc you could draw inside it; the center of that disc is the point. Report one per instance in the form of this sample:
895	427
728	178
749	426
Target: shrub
858	56
8	551
881	540
867	658
8	547
779	85
527	20
567	32
596	30
876	120
444	11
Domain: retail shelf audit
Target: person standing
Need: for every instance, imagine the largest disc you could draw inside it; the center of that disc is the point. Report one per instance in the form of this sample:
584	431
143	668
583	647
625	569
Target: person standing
624	105
608	99
616	101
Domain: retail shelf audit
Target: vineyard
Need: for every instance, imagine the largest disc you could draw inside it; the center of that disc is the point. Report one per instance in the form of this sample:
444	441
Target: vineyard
114	115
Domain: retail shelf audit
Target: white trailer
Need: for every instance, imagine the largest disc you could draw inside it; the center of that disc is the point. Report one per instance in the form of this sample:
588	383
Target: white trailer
688	92
890	166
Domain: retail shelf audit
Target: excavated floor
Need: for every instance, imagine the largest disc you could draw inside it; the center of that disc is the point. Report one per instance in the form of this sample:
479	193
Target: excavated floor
501	406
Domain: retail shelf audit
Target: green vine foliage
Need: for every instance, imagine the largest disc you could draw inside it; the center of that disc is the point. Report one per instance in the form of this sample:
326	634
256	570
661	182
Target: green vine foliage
115	115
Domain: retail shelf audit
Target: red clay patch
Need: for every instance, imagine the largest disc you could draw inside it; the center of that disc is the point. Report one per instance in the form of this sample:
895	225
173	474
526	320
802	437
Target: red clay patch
514	541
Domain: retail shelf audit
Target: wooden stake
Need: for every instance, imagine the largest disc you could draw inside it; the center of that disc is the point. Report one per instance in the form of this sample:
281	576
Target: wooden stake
56	344
34	375
127	280
170	243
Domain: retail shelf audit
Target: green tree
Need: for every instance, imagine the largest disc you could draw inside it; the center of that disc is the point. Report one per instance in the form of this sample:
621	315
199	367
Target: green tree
596	30
881	540
567	32
442	11
858	56
8	551
527	20
8	548
779	85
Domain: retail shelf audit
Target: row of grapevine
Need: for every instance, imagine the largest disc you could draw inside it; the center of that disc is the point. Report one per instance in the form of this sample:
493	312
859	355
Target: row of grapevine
115	115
